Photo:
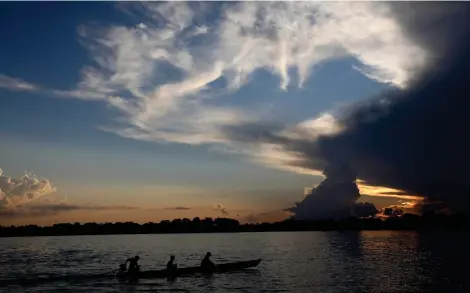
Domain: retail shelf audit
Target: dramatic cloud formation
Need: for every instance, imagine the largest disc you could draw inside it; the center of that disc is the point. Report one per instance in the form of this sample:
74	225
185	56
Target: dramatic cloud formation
334	197
165	73
23	190
176	105
412	140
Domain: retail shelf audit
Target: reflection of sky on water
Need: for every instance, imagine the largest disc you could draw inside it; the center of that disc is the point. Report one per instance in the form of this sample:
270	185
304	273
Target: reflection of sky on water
444	258
373	261
400	261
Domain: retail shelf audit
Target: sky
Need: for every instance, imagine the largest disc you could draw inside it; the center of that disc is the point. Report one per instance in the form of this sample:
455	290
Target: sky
119	111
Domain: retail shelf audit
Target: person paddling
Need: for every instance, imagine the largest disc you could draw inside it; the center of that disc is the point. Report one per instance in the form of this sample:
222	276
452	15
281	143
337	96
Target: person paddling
133	264
207	265
171	266
171	263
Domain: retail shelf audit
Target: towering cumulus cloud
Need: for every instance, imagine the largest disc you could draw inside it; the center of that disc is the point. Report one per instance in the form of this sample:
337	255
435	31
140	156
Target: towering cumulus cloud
334	197
413	139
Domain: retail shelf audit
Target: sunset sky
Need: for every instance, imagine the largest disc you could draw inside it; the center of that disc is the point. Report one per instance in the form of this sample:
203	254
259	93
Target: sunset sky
119	109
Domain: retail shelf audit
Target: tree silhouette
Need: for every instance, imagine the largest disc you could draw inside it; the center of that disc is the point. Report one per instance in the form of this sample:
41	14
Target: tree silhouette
208	225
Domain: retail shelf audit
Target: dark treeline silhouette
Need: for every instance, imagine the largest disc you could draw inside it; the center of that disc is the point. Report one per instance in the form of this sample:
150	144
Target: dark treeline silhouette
428	221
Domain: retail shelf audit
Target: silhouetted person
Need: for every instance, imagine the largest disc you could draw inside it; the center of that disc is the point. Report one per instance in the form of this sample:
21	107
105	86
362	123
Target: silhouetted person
171	266
207	265
171	263
133	264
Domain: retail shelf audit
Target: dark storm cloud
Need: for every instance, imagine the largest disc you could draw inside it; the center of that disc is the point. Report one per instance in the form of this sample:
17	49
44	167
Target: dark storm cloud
415	139
417	142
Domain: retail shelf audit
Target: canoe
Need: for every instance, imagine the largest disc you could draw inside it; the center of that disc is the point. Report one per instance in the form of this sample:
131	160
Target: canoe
151	274
219	269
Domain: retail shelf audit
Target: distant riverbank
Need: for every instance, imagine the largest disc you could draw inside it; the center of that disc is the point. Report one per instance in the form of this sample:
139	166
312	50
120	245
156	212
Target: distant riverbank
225	225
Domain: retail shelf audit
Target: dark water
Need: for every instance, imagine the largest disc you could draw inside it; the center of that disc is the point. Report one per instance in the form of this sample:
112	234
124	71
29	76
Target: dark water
292	261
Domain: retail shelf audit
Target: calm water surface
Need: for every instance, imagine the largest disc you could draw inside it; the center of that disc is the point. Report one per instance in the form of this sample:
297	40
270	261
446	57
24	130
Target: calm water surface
381	261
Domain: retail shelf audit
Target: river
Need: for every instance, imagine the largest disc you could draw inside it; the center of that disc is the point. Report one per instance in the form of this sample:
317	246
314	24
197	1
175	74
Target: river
372	261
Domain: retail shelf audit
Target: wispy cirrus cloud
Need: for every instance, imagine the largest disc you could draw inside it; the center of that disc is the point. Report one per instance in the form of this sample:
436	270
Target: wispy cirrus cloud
16	84
166	73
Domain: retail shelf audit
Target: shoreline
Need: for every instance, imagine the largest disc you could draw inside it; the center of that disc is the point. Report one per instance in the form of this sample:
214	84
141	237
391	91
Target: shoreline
408	222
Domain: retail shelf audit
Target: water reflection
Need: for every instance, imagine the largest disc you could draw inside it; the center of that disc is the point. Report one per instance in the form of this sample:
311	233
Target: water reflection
444	258
374	261
346	264
390	261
